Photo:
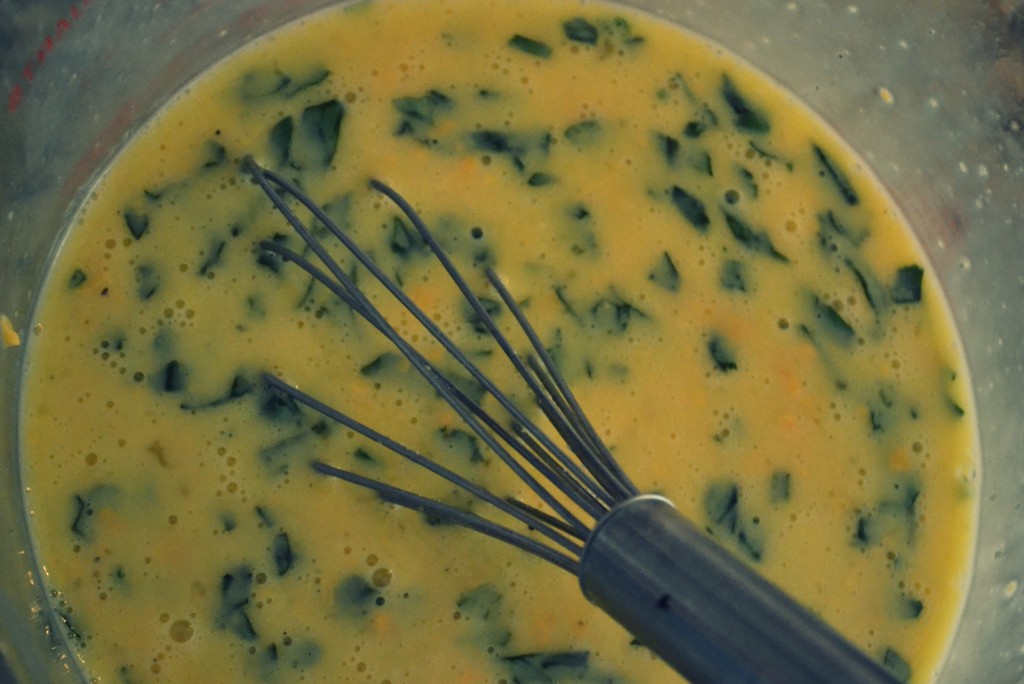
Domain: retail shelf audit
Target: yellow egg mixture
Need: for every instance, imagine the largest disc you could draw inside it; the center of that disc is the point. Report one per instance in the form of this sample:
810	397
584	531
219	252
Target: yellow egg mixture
737	305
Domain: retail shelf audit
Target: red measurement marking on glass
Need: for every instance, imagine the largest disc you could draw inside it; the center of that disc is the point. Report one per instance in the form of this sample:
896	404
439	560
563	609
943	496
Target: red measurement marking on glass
28	73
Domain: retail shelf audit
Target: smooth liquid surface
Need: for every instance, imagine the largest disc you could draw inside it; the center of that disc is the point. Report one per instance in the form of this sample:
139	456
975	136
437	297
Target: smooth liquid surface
731	297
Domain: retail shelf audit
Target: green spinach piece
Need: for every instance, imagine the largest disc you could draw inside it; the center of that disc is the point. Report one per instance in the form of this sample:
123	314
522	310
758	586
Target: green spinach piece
461	444
828	170
321	124
665	274
832	322
280	140
722	506
754	240
235	589
722	355
691	208
138	223
76	280
530	46
779	487
746	117
355	597
906	287
613	314
733	276
171	377
282	554
418	115
583	133
579	30
147	281
897	666
544	668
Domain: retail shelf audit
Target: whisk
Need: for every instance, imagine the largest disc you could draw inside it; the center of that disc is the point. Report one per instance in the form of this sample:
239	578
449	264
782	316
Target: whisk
703	611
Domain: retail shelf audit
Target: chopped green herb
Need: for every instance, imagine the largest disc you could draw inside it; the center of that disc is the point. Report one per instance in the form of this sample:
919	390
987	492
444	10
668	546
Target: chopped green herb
733	276
909	608
259	84
240	386
280	140
955	407
665	273
830	228
721	354
583	133
581	230
383	363
492	141
321	124
874	294
361	454
620	34
147	281
530	46
540	668
779	487
278	456
405	240
613	314
266	519
691	208
235	589
171	378
540	178
215	154
354	596
722	508
829	171
491	307
461	444
278	407
71	631
77	278
524	150
668	147
213	257
137	223
748	181
832	322
746	117
282	554
481	603
705	121
896	665
755	241
579	30
906	287
466	384
419	114
84	506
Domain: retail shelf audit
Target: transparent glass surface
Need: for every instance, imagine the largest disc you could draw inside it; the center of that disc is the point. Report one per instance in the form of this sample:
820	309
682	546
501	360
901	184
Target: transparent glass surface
931	95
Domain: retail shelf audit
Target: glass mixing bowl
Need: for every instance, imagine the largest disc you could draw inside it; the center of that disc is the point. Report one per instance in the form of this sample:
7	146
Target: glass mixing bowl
930	94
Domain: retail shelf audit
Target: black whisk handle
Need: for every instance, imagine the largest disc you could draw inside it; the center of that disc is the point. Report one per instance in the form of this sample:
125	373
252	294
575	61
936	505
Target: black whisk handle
707	614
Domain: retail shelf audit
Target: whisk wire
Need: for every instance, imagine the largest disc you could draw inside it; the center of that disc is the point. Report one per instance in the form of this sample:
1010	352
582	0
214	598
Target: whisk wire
265	177
477	523
559	391
559	419
432	466
581	491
